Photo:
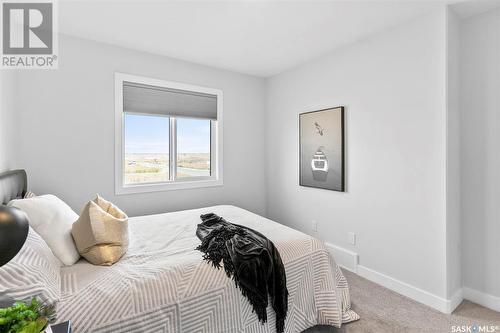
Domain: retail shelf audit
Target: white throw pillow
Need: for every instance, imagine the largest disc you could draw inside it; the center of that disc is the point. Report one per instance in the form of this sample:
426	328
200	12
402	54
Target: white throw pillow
52	219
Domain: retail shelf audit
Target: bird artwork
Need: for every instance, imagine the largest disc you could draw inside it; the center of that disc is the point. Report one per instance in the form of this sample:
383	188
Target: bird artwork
319	128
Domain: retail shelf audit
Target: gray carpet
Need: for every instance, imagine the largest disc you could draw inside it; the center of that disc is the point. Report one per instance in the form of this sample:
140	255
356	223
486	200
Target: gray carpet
382	310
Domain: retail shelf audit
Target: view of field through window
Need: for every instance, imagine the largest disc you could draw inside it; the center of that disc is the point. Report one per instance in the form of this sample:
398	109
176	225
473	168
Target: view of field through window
147	148
193	147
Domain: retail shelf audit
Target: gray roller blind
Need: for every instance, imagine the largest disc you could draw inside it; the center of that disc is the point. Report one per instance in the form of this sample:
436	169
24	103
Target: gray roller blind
142	98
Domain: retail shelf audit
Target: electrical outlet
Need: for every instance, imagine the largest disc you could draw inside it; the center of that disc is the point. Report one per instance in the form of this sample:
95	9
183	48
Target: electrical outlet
352	238
314	225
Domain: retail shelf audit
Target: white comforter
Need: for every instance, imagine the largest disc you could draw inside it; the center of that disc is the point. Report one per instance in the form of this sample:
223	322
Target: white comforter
163	285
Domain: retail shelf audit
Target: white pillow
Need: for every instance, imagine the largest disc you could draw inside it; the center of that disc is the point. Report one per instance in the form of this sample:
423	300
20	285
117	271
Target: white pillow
52	219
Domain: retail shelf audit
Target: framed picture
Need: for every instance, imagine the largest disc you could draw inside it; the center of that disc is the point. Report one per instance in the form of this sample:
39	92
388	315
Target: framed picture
321	149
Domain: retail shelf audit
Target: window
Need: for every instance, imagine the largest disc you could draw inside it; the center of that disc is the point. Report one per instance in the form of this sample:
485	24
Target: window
168	135
193	148
147	142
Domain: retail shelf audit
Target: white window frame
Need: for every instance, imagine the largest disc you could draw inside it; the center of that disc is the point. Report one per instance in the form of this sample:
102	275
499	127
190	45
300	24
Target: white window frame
216	147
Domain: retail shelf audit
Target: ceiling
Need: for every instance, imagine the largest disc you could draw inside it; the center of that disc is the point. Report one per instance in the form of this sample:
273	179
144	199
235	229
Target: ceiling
260	38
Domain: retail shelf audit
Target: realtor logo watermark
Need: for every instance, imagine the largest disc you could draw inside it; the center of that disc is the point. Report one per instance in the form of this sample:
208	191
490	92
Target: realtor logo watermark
475	328
29	38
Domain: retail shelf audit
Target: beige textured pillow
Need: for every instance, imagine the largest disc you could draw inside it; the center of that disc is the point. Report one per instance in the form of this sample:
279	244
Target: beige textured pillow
101	232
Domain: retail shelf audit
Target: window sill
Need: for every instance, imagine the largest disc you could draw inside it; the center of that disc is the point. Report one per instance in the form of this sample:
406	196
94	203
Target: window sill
167	186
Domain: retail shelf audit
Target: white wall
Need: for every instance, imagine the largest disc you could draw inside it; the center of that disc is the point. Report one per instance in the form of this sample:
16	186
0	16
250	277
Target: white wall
453	224
6	123
480	175
393	87
66	118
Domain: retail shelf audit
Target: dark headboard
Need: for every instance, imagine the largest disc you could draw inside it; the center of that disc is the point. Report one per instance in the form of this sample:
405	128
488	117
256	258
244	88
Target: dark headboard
13	185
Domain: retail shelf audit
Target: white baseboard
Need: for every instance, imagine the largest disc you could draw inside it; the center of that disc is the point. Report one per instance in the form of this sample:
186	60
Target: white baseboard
405	289
343	257
486	300
349	260
455	300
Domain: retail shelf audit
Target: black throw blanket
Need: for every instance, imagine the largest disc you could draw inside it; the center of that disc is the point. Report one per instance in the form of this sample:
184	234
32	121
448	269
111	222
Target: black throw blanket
251	260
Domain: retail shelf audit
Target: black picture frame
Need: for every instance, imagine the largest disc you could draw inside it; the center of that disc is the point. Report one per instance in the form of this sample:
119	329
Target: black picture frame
337	184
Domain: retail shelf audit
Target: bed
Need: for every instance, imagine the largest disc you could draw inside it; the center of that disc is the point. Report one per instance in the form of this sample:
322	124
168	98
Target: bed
163	285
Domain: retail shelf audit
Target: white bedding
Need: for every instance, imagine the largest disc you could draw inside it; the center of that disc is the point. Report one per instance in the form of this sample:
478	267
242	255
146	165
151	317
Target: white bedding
163	285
